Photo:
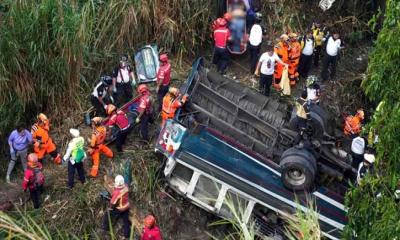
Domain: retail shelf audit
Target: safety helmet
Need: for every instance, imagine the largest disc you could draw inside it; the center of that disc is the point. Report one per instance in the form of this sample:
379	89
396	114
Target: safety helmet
360	113
142	89
284	37
369	158
221	22
41	117
107	80
174	91
32	160
164	58
293	35
258	16
97	120
149	221
110	108
228	16
311	80
74	132
119	181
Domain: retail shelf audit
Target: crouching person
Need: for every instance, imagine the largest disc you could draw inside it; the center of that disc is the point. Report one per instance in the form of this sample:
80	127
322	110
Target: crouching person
119	206
75	155
34	179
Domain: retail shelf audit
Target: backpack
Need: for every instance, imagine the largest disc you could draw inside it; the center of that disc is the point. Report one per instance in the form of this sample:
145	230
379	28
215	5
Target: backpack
80	154
38	177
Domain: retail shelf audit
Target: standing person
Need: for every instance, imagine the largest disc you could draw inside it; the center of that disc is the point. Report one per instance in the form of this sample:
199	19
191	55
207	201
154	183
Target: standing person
357	151
163	79
365	167
307	50
118	118
255	41
333	46
303	116
19	141
33	179
266	65
282	50
150	231
123	77
102	95
237	27
294	58
145	111
221	37
42	142
75	155
118	206
313	90
171	103
318	35
97	145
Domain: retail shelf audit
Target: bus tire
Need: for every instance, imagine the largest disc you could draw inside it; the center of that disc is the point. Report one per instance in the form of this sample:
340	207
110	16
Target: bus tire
297	172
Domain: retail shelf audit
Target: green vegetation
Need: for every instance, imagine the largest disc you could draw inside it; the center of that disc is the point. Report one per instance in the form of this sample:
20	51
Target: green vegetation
372	216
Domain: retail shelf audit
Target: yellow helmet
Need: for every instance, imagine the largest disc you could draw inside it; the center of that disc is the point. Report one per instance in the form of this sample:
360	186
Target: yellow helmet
174	91
97	120
110	108
284	37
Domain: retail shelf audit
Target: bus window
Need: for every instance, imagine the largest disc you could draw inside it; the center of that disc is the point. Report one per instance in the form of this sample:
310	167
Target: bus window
182	172
268	223
233	202
206	190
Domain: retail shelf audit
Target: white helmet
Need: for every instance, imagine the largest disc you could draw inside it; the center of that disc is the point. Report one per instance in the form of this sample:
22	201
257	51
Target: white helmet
119	181
74	132
369	158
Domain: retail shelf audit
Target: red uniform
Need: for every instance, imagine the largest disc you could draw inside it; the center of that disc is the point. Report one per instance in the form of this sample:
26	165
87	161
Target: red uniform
151	233
221	37
120	198
120	119
145	103
29	178
164	74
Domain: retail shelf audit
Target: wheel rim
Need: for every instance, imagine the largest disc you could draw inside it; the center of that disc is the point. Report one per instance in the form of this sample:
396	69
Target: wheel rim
295	177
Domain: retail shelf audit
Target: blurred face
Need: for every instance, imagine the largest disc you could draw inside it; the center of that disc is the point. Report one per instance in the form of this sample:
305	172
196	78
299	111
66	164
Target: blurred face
309	35
21	132
123	64
336	35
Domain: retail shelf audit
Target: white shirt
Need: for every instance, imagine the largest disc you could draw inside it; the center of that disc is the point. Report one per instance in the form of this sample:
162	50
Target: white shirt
333	46
308	47
358	145
311	94
123	75
268	63
255	37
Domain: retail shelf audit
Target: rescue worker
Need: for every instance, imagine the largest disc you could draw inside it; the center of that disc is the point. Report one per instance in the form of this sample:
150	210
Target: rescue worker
163	79
357	151
221	37
282	50
118	118
97	145
42	142
266	66
75	155
313	90
353	124
318	35
255	41
102	95
294	58
365	167
333	46
19	141
118	206
150	231
307	50
123	79
33	179
302	117
171	103
145	111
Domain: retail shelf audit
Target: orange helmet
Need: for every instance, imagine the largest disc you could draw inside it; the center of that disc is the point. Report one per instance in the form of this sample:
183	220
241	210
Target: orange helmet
174	91
110	108
142	89
221	22
32	160
149	221
228	16
97	120
164	58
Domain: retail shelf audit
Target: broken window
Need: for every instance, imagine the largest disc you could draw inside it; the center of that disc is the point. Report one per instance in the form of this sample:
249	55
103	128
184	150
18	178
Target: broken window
207	190
183	173
234	205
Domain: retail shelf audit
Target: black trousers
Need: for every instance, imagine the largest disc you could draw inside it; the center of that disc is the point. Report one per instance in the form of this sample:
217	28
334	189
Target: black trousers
304	65
124	93
100	111
121	138
71	173
160	95
329	62
317	55
35	196
221	59
265	84
116	214
254	55
357	159
144	126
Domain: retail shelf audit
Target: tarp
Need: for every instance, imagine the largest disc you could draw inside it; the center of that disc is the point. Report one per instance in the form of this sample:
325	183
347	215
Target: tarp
285	83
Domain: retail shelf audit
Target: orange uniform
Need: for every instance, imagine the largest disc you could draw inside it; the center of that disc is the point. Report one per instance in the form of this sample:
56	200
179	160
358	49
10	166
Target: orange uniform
352	125
169	107
282	50
294	59
43	144
96	146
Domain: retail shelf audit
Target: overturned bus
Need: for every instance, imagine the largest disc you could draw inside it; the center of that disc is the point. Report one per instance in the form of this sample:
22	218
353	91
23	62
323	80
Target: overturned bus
231	144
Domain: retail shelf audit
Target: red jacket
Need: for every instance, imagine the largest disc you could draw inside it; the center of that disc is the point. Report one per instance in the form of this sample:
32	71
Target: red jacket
164	74
29	178
120	119
151	233
145	104
120	198
221	37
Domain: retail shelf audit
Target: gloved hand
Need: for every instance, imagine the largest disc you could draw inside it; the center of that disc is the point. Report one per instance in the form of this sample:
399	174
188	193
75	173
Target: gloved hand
185	97
72	161
105	106
157	89
114	89
137	120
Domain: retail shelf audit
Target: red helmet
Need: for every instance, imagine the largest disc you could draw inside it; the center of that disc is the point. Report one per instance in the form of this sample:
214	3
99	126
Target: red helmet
32	160
164	58
228	16
142	89
221	22
149	221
